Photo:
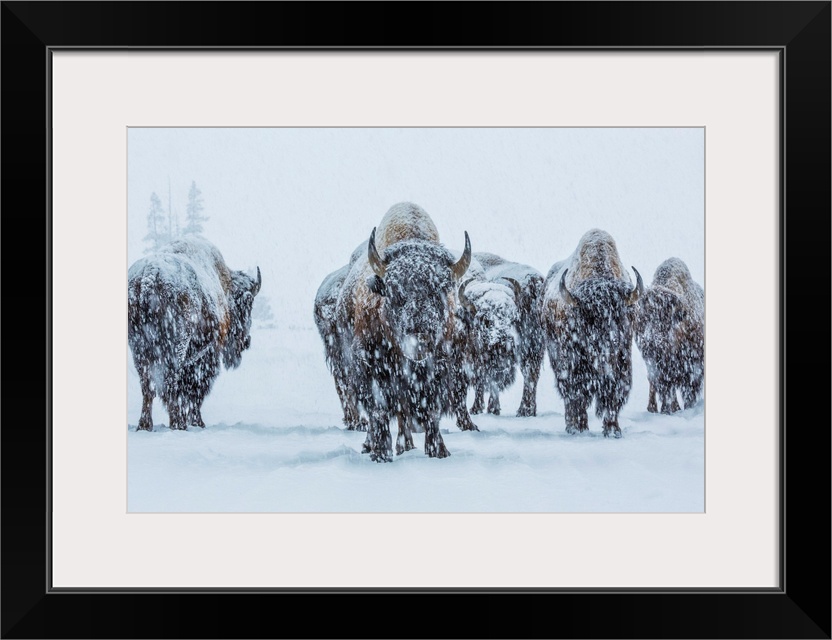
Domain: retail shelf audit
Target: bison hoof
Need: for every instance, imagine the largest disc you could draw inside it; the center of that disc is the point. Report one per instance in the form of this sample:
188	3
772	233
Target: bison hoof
467	426
494	412
365	448
652	408
439	451
144	427
381	456
614	432
526	412
476	410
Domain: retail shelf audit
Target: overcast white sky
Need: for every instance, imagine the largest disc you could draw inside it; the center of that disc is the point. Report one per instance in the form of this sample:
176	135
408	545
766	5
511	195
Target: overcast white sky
296	201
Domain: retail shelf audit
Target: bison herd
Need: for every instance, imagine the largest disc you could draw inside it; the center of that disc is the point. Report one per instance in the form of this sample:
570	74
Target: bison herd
409	326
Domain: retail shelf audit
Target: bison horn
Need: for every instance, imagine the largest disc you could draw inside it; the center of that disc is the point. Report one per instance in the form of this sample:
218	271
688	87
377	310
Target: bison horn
463	299
372	254
256	288
564	292
461	266
638	291
518	289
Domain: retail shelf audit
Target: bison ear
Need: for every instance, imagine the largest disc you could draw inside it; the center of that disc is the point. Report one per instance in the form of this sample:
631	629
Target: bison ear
376	285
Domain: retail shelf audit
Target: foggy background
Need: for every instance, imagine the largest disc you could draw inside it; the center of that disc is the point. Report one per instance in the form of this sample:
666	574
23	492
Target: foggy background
296	202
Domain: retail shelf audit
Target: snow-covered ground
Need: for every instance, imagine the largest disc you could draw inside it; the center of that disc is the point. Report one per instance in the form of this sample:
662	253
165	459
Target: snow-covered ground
274	442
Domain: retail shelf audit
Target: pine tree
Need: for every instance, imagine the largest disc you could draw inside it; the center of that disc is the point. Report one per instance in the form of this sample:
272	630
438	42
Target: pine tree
261	313
173	219
157	235
193	213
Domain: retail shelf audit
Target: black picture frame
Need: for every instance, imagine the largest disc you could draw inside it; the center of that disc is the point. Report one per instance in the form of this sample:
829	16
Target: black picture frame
799	608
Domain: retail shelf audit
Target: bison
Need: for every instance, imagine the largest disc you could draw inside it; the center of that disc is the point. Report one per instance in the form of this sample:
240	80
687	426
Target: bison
397	304
489	343
527	284
187	313
587	316
337	339
670	333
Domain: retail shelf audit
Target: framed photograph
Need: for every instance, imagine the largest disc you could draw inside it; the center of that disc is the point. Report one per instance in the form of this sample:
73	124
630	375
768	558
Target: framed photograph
329	246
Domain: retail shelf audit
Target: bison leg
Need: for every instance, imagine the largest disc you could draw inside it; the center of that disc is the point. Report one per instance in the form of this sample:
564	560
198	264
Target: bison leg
404	439
576	417
651	400
346	395
379	442
177	417
463	418
494	403
690	394
531	374
479	399
434	444
146	419
195	417
611	427
667	395
458	393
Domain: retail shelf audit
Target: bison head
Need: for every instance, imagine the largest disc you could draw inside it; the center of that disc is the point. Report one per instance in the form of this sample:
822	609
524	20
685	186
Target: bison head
489	318
417	280
243	290
601	317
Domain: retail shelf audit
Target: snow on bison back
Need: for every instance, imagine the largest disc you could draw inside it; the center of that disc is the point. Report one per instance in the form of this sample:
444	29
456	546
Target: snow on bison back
187	311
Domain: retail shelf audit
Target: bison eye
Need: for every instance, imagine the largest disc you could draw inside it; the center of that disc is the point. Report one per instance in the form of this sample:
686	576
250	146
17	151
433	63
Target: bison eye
376	285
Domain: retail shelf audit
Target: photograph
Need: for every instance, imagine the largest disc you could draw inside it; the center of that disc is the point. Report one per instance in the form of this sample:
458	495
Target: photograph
415	320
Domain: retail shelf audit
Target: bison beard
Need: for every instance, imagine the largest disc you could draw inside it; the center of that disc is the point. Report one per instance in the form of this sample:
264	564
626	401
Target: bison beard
187	313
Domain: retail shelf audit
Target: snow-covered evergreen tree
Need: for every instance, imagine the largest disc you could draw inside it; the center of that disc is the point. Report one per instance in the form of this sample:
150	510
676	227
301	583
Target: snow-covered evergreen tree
157	232
193	212
262	314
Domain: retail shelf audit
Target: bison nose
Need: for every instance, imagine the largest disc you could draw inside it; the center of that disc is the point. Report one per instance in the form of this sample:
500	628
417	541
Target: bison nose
247	342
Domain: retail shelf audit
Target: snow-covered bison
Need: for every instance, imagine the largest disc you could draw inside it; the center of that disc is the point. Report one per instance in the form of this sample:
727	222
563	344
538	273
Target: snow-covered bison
670	333
337	339
587	315
397	303
527	284
488	344
187	312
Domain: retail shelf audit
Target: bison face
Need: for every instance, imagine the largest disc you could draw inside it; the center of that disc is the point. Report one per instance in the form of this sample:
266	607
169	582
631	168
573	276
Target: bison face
601	318
243	290
490	320
417	281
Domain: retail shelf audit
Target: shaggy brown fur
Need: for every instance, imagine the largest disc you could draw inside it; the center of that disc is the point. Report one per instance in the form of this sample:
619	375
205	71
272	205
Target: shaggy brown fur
670	333
187	314
397	303
587	315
